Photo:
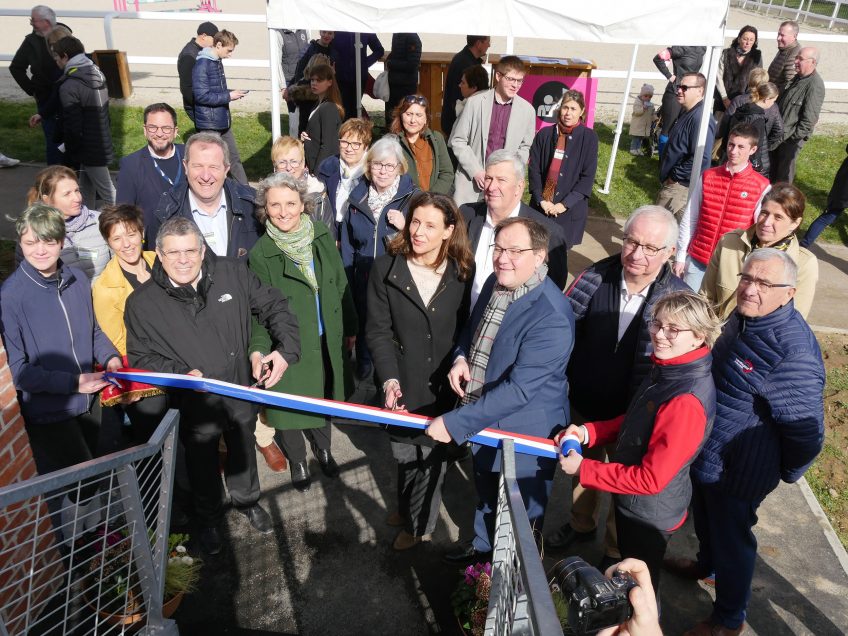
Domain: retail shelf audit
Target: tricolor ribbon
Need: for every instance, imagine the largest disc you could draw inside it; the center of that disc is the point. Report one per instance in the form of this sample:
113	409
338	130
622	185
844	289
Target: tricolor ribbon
526	444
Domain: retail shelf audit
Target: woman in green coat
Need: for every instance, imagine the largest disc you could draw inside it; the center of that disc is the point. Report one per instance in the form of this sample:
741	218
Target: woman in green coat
298	256
430	166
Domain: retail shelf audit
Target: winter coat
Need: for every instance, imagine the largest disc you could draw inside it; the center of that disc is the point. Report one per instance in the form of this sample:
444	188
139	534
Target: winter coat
338	315
441	178
109	295
34	56
243	227
85	113
141	184
684	59
329	173
732	78
722	276
185	67
800	105
641	118
412	342
322	209
362	238
323	131
177	329
51	337
677	159
403	63
576	176
294	46
211	95
769	424
782	68
459	63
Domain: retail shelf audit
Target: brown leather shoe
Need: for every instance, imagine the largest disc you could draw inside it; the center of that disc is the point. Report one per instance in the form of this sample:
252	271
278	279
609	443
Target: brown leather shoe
273	457
709	628
684	568
405	541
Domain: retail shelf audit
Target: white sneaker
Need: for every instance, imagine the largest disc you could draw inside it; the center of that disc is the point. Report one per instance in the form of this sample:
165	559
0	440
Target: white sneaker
8	162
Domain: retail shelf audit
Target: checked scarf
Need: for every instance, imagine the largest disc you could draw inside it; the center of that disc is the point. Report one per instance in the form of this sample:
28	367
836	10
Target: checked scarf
487	330
297	246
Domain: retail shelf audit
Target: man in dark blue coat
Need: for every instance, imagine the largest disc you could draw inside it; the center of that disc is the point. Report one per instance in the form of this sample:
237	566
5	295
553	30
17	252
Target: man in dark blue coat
150	172
509	371
769	426
224	209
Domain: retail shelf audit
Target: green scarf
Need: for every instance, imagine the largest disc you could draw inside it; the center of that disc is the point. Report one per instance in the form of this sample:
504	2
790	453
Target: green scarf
297	246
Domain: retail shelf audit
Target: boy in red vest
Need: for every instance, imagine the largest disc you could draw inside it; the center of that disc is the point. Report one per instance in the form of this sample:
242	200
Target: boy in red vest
729	198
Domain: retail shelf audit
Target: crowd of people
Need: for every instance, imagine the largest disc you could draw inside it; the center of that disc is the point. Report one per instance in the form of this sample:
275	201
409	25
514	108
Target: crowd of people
412	260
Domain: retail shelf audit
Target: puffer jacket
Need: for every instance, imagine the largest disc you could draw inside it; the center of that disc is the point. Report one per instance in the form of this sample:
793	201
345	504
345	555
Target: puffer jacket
33	56
211	95
782	68
769	423
85	113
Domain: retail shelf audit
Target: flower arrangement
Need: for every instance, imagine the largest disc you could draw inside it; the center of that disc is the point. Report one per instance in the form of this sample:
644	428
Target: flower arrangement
183	570
470	599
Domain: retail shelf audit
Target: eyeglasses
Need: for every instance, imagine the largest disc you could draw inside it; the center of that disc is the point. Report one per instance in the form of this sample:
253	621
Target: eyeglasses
670	331
516	81
291	163
647	250
415	99
683	87
745	281
385	167
166	130
190	253
511	252
353	145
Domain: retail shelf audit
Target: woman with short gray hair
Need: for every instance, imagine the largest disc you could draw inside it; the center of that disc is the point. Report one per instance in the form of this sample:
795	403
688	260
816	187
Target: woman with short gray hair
376	212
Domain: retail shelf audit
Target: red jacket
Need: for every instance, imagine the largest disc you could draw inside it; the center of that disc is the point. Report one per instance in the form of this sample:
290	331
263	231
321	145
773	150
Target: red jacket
728	202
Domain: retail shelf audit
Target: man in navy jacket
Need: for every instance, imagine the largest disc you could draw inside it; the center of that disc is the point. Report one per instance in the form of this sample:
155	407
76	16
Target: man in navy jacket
512	376
150	172
769	426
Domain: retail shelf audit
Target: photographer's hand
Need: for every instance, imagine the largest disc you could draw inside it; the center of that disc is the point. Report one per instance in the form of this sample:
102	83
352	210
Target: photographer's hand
645	620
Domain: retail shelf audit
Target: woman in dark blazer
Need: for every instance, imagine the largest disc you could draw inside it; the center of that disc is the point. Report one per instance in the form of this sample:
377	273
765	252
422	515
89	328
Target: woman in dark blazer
418	299
321	137
563	161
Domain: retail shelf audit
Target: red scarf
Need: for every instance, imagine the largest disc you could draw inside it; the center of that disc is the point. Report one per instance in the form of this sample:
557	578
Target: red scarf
556	162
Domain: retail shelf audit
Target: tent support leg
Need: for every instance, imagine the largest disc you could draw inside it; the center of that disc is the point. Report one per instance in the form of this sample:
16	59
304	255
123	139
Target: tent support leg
620	126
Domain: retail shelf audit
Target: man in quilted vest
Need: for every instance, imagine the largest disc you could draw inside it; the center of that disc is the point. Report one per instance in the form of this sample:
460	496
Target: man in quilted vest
728	198
769	426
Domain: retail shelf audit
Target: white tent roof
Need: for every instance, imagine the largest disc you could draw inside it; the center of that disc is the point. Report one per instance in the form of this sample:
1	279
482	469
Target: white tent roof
691	22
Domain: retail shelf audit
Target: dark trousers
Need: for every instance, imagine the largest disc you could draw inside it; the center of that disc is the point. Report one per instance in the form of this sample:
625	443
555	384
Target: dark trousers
670	109
66	443
294	445
52	154
421	474
782	161
535	477
348	94
145	416
640	541
728	547
202	422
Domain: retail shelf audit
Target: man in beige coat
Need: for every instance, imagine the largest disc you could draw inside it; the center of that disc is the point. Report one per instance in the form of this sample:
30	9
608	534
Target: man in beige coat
496	119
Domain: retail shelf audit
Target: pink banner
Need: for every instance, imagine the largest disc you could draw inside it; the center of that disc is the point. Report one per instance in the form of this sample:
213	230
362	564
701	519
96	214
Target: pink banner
545	91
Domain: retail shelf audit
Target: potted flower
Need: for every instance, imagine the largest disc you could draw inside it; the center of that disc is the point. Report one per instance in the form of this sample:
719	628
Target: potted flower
181	573
470	599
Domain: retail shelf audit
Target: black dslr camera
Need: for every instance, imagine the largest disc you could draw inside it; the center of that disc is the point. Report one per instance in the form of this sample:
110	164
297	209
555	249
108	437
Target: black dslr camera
594	601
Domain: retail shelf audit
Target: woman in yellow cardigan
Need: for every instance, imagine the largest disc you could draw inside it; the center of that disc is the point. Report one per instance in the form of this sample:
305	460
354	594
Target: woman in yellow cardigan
122	226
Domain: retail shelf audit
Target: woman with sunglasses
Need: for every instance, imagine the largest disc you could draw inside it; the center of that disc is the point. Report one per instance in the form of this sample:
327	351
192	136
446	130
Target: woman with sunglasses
661	433
561	172
781	214
321	137
418	300
376	213
430	167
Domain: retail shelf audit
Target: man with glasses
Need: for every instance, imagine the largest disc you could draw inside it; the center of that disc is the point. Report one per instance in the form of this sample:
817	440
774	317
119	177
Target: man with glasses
769	426
509	372
611	301
800	105
149	172
496	119
223	209
194	317
678	158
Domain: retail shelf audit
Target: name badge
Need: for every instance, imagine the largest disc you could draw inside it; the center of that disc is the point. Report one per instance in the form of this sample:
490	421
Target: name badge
209	237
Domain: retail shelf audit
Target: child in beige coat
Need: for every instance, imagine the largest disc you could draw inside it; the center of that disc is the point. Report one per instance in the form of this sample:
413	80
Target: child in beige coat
641	119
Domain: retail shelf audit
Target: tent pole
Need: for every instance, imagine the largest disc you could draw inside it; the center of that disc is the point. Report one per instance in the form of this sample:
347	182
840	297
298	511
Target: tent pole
620	126
510	44
356	48
275	54
703	125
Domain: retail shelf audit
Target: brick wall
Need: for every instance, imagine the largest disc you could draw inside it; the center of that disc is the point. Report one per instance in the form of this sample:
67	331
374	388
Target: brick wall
31	567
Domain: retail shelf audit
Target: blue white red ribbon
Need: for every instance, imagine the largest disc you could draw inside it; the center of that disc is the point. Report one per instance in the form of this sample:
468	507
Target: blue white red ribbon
527	444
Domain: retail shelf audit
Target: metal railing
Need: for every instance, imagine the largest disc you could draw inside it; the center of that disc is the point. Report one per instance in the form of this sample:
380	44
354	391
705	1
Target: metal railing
825	11
89	550
520	601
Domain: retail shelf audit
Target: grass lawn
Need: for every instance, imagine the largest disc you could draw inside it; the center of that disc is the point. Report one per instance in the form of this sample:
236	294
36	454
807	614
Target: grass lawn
634	181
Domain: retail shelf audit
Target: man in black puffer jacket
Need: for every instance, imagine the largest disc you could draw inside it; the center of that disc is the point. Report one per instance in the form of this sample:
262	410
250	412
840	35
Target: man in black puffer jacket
85	120
612	351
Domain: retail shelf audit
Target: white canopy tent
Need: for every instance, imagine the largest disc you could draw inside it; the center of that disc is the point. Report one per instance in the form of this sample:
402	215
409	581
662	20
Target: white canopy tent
656	22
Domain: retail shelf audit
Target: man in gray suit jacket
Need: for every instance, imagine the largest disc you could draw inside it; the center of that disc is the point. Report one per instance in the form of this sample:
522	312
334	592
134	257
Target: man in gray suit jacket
496	119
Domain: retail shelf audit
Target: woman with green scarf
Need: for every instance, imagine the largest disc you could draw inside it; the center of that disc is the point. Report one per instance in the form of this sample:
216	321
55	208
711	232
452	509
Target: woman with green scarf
298	256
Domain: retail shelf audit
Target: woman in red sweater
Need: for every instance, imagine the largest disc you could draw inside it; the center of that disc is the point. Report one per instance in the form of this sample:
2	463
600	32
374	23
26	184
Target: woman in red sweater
660	435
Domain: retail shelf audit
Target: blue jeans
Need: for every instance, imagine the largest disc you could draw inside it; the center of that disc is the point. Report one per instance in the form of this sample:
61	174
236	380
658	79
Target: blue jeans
728	547
694	274
817	227
52	155
636	143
